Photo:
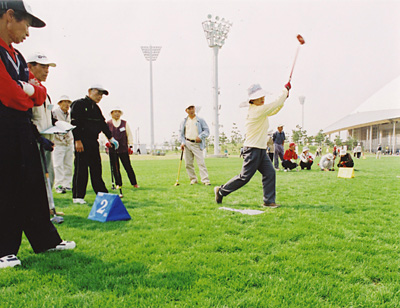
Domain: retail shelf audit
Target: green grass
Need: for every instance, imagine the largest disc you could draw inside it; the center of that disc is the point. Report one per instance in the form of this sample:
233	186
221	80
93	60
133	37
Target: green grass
333	243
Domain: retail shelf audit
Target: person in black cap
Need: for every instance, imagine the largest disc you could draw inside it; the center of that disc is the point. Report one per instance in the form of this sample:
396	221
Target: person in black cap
89	121
20	164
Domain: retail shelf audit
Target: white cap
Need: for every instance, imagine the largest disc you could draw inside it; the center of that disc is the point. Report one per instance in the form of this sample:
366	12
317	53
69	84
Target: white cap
64	98
306	149
190	105
41	58
100	88
115	109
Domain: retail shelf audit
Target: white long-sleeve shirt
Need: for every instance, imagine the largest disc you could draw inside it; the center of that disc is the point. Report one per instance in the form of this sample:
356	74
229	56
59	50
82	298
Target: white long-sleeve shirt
257	123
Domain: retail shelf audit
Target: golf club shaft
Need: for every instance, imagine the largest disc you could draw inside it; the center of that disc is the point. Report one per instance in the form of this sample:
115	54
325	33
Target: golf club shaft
180	165
294	62
49	192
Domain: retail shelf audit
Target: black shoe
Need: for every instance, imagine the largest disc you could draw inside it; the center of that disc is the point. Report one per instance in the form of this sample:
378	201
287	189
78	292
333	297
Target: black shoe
218	196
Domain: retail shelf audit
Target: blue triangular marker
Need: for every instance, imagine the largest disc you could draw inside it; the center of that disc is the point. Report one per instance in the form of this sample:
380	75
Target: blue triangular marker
108	207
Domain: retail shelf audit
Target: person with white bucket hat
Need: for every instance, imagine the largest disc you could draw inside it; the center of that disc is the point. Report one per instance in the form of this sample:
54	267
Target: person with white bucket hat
254	148
306	159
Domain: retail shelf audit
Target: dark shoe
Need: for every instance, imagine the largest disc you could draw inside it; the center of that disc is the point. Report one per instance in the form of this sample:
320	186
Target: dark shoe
270	205
218	196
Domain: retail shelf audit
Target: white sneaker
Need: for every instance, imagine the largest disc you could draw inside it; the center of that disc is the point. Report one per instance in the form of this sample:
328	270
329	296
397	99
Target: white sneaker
63	246
277	169
192	182
9	261
79	200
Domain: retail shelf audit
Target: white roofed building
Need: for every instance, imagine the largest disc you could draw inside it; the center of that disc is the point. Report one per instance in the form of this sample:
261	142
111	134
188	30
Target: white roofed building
376	121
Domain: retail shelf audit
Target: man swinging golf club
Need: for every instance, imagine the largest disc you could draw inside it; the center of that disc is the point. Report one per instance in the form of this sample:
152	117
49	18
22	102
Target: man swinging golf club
255	156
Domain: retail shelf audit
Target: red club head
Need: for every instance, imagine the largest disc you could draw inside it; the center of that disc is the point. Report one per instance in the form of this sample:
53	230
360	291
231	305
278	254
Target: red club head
300	39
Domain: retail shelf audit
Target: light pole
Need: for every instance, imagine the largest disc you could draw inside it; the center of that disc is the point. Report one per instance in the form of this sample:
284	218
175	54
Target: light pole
302	99
216	32
151	54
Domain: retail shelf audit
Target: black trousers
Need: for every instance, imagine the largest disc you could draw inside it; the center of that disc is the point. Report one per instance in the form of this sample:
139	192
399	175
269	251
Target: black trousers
115	167
287	164
271	157
24	205
88	160
307	165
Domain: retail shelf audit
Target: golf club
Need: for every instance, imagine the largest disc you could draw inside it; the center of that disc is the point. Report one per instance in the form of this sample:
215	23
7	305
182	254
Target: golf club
112	174
56	219
179	170
302	42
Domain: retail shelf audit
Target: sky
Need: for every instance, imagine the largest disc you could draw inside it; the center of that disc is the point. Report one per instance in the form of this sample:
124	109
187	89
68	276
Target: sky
352	50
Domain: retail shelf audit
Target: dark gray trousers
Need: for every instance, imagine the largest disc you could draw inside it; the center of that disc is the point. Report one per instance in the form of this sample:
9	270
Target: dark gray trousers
254	159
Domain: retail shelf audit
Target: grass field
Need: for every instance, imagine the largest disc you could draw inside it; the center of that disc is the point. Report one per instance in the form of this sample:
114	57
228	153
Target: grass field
333	243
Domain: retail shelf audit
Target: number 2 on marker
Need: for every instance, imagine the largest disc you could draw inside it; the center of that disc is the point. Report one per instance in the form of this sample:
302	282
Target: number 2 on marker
104	204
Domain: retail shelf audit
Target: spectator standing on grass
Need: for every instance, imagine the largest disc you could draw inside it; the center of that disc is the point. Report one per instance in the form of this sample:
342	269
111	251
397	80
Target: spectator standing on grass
89	121
358	151
193	133
63	154
279	142
306	159
121	131
379	151
255	155
326	163
20	163
290	158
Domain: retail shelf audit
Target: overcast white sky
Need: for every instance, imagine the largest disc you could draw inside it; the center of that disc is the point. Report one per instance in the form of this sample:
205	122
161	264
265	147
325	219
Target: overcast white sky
352	50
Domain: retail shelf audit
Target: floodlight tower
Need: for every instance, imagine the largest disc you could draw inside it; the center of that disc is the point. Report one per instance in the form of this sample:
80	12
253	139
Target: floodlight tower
216	32
151	53
302	99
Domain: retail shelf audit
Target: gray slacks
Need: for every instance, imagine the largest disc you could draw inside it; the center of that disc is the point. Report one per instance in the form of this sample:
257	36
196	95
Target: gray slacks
254	159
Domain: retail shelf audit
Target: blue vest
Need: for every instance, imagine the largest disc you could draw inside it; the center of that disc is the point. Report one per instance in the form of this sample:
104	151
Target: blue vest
17	71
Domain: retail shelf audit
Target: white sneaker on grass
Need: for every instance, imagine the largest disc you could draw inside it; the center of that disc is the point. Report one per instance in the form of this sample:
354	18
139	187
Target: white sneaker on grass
79	200
9	261
63	246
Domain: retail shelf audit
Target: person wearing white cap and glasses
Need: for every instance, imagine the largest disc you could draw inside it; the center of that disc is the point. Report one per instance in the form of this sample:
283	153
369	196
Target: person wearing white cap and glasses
279	142
121	131
306	159
39	65
193	132
63	154
89	121
24	207
326	163
254	148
